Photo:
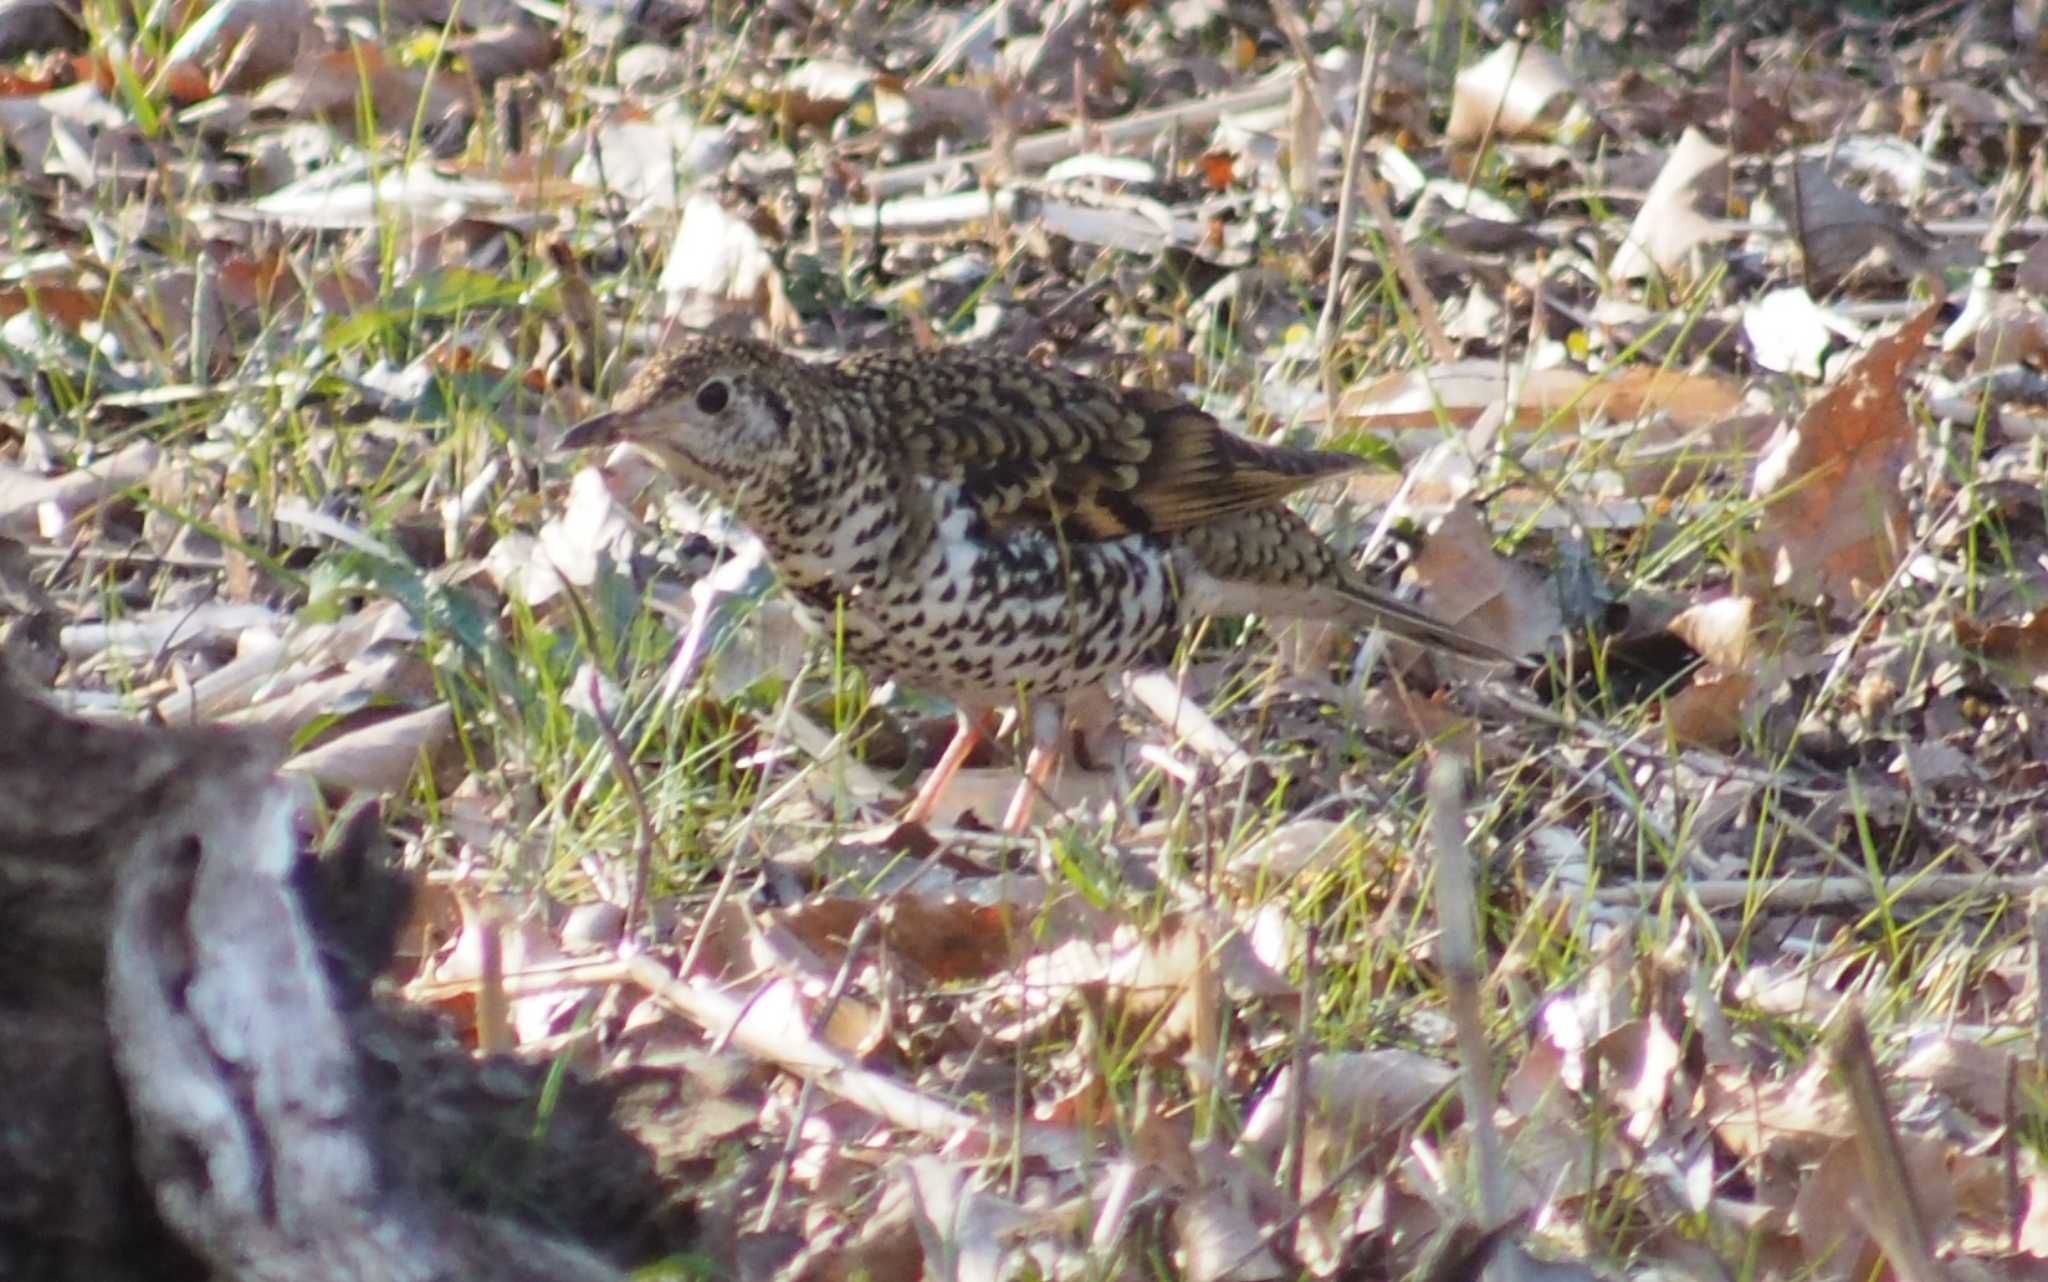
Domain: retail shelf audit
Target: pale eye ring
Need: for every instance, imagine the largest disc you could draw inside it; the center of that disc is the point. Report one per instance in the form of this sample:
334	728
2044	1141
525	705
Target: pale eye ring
714	396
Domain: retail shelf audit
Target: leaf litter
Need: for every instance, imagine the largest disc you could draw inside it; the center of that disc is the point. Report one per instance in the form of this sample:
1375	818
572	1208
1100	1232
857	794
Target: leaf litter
293	306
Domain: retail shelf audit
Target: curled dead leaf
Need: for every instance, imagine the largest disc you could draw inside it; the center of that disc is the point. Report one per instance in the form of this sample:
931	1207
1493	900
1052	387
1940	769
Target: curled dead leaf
1670	224
1519	90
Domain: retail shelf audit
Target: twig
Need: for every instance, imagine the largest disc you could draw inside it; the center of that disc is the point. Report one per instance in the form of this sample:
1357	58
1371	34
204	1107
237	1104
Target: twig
1855	893
2037	928
1457	910
1057	144
801	1114
1347	199
1294	1170
839	1074
643	844
1412	282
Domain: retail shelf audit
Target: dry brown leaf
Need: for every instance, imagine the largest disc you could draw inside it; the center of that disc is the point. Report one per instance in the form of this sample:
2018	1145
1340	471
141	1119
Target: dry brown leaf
1217	1240
1722	631
1398	711
2023	643
1708	713
1174	976
968	1234
1086	1103
329	85
1836	1195
1556	397
1355	1098
1644	1063
883	1244
1489	597
508	49
1758	1116
1177	967
501	935
1837	229
1836	524
1219	169
953	939
1639	391
949	938
2031	276
249	42
1974	1075
68	305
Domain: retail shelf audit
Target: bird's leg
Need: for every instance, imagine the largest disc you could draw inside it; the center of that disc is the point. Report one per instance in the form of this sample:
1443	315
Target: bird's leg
1046	725
973	727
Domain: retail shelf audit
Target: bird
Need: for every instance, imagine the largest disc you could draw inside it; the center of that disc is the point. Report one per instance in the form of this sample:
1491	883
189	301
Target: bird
987	528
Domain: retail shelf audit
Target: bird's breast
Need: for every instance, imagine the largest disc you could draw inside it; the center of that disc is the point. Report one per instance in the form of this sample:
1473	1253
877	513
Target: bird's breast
976	614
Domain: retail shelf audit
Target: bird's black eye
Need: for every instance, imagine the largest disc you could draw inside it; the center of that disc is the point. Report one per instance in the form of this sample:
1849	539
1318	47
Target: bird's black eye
714	396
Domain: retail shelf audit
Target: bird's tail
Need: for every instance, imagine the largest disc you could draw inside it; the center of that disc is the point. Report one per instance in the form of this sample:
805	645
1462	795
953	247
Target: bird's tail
1371	608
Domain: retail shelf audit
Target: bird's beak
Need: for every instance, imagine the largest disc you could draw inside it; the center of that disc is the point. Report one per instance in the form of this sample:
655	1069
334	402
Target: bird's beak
602	429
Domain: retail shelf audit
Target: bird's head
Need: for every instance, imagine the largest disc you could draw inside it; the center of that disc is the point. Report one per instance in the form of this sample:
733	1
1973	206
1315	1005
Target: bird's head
728	414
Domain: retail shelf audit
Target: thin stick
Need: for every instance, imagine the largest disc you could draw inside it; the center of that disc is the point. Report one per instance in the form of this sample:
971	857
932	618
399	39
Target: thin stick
1056	144
1347	199
802	1112
1457	910
1417	289
1853	894
643	844
1295	1169
839	1074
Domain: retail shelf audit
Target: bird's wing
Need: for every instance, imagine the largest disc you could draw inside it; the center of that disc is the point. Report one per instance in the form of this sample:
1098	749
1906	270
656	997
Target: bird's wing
1038	446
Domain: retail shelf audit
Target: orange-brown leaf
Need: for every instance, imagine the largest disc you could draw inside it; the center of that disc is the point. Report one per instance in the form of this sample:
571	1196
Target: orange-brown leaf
1836	525
2022	643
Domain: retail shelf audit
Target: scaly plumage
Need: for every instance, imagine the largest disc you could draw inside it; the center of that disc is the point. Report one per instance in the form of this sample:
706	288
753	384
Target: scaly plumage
982	526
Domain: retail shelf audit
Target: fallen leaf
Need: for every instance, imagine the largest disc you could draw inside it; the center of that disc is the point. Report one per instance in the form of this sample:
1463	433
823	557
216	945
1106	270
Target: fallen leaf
1976	1076
1670	224
1355	1098
1722	631
378	758
1489	597
1708	713
719	267
1836	524
2023	643
2013	335
1517	91
1837	229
